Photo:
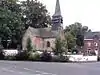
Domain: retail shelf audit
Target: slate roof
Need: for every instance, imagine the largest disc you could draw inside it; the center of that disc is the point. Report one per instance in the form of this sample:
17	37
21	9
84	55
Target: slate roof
43	32
91	35
57	9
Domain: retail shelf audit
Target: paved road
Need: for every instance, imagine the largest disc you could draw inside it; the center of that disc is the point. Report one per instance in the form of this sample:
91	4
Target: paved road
40	68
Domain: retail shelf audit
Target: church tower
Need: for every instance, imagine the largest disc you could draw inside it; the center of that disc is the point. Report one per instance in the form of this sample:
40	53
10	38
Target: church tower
57	19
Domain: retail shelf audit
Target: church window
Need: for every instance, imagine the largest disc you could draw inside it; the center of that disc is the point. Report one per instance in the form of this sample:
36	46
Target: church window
48	44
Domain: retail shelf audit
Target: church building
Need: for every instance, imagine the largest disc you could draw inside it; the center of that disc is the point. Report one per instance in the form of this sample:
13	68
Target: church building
44	38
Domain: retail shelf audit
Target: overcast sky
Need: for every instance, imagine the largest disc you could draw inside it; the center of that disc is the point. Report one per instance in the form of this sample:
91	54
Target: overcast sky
86	12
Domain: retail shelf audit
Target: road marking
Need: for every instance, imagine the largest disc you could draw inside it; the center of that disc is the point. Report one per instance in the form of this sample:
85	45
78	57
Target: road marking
20	72
7	70
27	69
45	73
41	72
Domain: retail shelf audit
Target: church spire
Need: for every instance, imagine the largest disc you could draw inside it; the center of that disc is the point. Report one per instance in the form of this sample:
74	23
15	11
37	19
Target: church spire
57	9
57	19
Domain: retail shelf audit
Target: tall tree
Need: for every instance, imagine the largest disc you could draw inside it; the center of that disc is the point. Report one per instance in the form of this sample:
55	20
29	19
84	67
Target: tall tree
29	45
35	14
70	41
75	28
59	47
78	31
11	25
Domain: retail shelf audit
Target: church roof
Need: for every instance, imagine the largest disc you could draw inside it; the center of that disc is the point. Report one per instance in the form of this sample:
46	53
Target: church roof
43	32
91	35
57	9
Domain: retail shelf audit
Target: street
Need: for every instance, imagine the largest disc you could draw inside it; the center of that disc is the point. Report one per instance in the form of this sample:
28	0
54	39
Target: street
43	68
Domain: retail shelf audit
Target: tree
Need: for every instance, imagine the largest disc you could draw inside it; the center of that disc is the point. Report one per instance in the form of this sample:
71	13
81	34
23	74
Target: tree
35	14
70	41
11	25
76	28
13	22
29	45
26	54
59	47
77	31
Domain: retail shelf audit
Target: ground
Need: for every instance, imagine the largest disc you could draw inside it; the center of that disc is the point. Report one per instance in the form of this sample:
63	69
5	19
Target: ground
42	68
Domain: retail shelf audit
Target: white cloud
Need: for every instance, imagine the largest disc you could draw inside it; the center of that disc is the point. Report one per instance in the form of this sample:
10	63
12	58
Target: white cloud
85	11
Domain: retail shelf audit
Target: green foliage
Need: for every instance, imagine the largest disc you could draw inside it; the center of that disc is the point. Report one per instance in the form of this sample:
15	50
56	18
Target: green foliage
9	57
29	45
80	40
59	47
46	56
60	59
11	25
23	55
75	35
1	55
34	56
36	14
76	28
70	40
13	22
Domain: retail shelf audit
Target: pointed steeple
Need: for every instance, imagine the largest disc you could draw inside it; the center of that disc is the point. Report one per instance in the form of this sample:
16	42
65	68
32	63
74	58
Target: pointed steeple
57	19
57	9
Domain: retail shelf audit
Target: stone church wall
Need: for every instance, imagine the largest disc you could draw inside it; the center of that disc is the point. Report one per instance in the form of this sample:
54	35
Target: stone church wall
52	43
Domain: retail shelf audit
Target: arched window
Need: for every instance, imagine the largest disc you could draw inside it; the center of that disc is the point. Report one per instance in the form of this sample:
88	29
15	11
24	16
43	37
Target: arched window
48	44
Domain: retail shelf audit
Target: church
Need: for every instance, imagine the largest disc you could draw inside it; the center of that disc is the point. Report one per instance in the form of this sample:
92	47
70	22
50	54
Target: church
44	38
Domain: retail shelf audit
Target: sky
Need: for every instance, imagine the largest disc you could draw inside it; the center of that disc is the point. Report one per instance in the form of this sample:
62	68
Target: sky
86	12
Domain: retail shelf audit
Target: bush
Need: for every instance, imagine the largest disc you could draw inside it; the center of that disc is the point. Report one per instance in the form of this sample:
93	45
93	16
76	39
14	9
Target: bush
22	55
55	58
64	59
34	57
10	58
29	45
98	58
46	56
60	58
1	55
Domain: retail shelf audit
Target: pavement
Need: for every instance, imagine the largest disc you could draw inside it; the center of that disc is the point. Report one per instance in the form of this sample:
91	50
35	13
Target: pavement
47	68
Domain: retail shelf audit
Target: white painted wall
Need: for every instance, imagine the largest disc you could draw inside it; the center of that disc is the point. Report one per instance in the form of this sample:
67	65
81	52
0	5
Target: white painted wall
82	58
10	52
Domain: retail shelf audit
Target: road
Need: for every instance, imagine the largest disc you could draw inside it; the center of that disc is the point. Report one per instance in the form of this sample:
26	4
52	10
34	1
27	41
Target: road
42	68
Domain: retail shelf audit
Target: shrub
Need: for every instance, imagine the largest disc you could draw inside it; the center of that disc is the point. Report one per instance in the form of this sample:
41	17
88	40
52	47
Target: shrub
63	59
29	45
46	56
1	52
60	58
10	58
55	58
1	55
22	55
34	57
98	58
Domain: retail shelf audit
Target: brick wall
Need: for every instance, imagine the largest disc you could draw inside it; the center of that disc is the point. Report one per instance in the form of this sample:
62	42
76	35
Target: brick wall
91	44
